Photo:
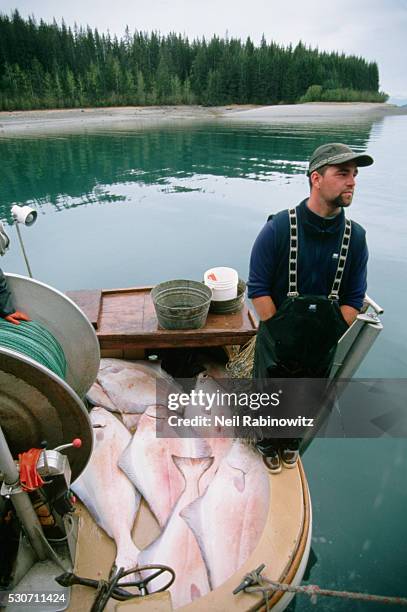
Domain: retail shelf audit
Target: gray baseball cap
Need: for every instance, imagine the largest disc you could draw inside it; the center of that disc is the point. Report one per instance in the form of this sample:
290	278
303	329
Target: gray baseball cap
335	153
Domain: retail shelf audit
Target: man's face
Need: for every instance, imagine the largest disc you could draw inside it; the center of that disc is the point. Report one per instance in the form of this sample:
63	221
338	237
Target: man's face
337	184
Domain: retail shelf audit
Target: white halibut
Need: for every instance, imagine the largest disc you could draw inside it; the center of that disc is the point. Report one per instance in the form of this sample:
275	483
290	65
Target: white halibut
148	463
217	437
129	387
229	518
107	493
177	546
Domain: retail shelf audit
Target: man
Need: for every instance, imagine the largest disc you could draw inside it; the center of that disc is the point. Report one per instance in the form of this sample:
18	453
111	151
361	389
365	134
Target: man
7	309
308	279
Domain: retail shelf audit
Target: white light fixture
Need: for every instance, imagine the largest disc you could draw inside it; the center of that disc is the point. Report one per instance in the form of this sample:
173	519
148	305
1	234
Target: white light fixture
26	216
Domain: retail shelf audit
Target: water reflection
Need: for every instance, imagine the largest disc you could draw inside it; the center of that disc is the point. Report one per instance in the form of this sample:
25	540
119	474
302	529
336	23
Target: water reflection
186	215
81	169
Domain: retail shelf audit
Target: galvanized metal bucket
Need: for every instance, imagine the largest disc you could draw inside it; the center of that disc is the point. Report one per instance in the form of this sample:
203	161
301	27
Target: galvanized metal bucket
181	304
230	306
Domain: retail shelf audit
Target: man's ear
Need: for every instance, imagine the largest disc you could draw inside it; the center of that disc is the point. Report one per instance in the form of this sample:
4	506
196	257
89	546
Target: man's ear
315	178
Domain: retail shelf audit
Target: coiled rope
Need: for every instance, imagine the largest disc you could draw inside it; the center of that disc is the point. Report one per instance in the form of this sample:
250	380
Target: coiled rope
241	360
33	340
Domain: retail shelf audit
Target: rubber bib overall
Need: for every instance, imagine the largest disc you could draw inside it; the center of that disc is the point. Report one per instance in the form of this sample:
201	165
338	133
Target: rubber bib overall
299	341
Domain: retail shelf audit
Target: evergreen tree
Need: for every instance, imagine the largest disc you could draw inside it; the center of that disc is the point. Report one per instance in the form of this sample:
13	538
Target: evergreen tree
70	87
46	65
163	79
141	91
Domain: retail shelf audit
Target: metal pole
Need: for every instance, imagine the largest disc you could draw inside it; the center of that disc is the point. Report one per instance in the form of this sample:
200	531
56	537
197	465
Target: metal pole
23	250
21	500
359	350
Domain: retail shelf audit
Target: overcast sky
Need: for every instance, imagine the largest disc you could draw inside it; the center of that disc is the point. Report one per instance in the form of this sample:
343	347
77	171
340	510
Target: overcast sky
374	29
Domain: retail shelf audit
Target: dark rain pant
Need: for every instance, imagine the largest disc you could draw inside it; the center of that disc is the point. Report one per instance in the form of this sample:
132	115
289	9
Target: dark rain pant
299	341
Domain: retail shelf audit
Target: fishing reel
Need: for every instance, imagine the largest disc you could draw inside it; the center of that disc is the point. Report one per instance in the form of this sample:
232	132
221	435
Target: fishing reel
37	404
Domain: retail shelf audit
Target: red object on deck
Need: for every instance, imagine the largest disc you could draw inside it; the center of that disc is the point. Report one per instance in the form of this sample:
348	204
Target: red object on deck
29	477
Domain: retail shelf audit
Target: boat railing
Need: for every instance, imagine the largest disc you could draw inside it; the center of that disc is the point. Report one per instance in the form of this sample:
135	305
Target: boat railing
357	341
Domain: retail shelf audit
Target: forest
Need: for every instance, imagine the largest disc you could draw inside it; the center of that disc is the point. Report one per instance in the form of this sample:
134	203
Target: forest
49	65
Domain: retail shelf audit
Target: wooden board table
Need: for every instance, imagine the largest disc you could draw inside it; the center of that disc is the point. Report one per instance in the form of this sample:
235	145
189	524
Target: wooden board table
125	319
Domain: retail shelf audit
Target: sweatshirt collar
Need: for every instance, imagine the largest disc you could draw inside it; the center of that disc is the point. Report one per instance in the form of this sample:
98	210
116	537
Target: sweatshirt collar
318	224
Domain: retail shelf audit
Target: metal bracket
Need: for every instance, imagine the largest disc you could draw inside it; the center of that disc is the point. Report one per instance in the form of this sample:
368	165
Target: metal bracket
369	302
369	317
250	579
7	490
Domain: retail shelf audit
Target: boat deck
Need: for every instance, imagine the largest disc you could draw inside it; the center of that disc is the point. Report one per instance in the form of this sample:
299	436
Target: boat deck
283	547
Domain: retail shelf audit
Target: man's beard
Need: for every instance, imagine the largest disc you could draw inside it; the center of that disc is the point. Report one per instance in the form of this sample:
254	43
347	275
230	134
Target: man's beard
340	203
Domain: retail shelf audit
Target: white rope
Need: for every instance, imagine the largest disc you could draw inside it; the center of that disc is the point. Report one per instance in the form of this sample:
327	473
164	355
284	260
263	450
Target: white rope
314	591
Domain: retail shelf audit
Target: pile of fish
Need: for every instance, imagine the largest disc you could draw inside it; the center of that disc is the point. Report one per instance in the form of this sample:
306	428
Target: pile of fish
210	496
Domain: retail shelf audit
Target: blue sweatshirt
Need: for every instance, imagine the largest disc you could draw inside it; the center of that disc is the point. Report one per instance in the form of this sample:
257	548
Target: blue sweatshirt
319	241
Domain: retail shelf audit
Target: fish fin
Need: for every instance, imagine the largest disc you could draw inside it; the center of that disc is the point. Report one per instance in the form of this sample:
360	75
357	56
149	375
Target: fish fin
157	411
192	515
151	411
125	461
96	396
192	468
241	457
195	592
130	421
239	482
125	465
98	417
81	490
107	403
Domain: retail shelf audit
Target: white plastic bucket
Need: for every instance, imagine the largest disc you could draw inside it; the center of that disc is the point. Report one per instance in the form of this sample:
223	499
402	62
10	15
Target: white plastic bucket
223	282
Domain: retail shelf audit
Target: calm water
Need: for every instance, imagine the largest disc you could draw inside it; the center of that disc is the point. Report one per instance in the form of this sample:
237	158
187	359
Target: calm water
129	208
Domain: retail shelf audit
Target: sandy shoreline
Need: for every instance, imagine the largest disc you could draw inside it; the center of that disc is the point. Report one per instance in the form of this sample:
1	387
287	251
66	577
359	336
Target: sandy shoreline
23	123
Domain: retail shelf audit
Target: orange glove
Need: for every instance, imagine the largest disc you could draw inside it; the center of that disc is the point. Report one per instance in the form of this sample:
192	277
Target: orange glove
16	317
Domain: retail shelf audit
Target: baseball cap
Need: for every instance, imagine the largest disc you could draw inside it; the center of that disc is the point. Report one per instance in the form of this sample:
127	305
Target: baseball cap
335	153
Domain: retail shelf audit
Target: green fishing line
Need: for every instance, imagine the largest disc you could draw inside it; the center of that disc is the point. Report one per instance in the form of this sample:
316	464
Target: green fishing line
33	340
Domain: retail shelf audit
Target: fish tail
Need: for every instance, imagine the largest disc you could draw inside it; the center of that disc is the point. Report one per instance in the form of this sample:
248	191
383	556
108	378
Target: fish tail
127	557
192	468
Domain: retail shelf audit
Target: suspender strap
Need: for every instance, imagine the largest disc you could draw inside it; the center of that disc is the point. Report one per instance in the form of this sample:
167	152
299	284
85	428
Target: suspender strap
334	295
292	262
293	257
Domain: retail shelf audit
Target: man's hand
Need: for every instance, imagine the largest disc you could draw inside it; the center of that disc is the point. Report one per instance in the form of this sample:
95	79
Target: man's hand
265	307
349	314
16	317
